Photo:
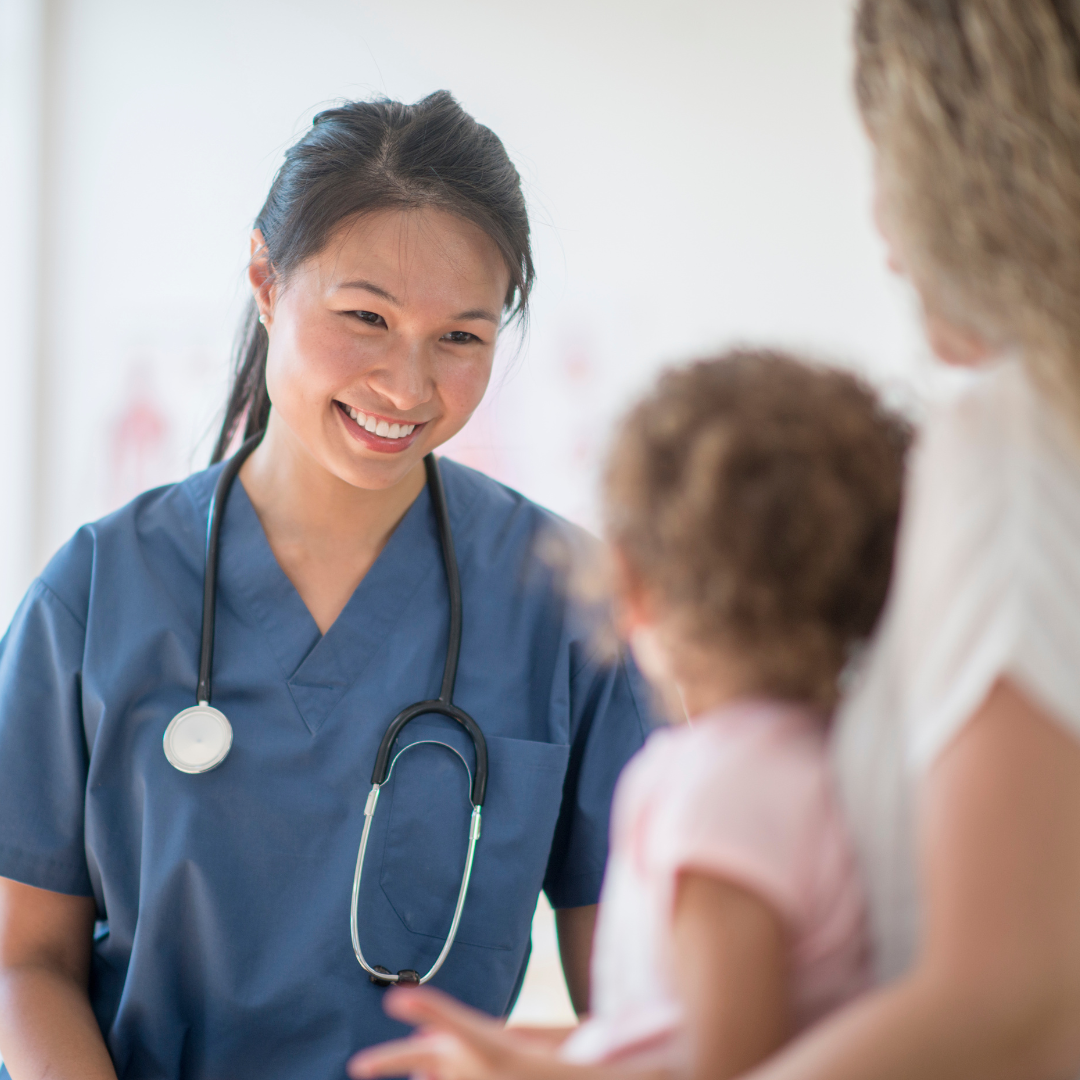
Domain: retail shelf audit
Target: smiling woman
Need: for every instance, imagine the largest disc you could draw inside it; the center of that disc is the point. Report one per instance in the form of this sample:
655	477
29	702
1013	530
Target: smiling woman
156	922
395	319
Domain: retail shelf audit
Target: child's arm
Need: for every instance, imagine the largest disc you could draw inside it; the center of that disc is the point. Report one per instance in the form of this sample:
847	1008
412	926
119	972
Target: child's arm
728	961
731	974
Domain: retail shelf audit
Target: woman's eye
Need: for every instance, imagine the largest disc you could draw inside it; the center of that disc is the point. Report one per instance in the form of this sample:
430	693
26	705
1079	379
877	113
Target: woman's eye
370	317
460	337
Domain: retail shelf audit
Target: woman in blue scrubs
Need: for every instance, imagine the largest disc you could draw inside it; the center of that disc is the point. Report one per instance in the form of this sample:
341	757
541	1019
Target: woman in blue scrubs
155	923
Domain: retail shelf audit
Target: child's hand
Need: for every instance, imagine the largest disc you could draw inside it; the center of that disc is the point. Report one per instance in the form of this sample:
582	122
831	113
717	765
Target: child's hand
454	1043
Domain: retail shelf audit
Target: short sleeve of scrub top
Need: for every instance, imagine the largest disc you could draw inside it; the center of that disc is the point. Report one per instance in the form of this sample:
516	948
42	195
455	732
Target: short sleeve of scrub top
222	943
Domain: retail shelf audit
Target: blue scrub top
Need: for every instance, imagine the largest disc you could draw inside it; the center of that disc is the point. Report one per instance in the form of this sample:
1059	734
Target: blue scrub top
223	947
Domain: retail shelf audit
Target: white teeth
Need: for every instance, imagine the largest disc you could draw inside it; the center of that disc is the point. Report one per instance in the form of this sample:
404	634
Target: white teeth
383	428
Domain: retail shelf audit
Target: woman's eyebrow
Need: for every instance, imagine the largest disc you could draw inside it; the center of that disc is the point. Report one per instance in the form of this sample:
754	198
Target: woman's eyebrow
477	313
371	287
377	290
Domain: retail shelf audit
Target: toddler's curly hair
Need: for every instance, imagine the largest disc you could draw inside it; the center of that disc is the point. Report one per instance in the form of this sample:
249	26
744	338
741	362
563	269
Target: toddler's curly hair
757	497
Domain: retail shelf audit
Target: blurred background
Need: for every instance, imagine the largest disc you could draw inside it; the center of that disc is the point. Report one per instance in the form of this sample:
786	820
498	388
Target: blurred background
695	169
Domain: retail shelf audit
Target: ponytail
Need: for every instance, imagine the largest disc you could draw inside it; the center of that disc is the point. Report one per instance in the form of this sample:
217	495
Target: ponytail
248	402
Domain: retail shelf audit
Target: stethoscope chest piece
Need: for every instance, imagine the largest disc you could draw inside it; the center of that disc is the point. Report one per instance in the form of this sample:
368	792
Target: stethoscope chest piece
198	739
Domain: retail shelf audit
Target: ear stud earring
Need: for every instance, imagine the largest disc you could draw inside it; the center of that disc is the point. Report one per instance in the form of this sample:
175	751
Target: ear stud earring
262	319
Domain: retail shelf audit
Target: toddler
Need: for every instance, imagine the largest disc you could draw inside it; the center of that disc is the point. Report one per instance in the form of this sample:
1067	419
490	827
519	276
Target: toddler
751	505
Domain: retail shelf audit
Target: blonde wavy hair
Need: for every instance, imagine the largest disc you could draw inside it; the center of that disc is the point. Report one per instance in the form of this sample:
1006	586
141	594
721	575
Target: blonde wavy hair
974	110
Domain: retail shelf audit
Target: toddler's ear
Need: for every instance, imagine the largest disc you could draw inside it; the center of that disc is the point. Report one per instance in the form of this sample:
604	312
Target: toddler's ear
649	655
637	615
632	604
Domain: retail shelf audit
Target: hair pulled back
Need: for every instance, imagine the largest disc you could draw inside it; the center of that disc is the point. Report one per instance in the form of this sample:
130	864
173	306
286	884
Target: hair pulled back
365	156
974	110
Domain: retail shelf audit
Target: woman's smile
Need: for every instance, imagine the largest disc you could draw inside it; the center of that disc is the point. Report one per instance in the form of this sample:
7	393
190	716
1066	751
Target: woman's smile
380	433
400	311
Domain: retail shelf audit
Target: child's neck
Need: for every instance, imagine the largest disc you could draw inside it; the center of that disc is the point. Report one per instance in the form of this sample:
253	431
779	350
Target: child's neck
710	684
701	700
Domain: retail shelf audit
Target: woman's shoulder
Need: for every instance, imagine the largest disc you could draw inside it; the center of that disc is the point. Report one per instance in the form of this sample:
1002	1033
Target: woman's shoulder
475	496
496	526
997	440
988	569
167	523
994	491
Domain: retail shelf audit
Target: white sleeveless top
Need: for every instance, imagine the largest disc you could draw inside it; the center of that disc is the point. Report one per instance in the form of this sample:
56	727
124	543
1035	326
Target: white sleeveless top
987	583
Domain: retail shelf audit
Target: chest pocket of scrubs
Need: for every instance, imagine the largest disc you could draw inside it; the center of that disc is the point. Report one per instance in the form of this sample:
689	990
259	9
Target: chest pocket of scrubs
427	836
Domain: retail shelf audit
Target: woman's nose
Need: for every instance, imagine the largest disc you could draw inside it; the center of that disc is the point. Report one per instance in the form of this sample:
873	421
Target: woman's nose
403	377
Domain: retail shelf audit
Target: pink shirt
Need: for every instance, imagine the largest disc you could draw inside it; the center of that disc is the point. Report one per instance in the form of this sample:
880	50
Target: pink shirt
745	794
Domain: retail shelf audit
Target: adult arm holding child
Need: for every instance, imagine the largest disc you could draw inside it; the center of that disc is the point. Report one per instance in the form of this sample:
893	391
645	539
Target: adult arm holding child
995	991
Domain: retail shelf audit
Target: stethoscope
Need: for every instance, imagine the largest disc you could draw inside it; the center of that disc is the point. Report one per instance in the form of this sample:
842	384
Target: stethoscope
199	738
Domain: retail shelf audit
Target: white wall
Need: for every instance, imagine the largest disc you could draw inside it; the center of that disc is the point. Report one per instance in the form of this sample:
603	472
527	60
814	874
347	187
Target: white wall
695	169
21	148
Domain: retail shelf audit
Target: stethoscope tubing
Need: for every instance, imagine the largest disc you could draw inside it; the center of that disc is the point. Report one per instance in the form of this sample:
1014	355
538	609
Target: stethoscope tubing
384	764
213	543
383	976
439	707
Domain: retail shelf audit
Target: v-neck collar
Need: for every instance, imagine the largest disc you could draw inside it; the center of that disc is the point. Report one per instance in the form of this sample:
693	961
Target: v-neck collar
320	668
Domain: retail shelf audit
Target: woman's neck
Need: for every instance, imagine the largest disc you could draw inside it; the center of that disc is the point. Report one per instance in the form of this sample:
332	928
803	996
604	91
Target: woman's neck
324	532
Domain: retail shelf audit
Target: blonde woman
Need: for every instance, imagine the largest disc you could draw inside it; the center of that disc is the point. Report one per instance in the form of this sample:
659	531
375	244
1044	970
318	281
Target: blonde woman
959	751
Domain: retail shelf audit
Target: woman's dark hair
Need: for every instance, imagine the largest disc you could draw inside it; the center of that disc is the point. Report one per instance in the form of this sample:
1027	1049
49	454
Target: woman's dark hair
376	155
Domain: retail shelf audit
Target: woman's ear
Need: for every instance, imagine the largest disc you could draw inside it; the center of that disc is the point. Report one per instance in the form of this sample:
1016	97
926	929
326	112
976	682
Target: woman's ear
952	344
261	276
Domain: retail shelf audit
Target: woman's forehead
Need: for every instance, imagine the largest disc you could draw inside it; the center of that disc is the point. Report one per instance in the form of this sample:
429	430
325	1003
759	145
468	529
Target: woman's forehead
414	255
